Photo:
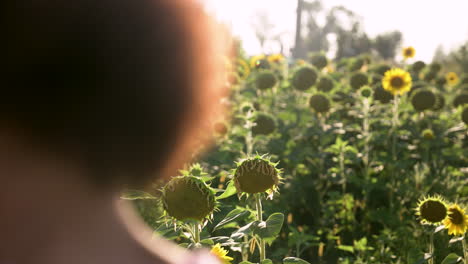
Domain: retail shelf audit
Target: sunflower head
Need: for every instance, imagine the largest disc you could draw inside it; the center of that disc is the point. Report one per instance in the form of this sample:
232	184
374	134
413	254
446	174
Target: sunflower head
276	58
320	103
461	99
465	115
382	95
243	69
408	52
452	78
440	81
188	198
439	103
418	66
435	67
264	124
397	81
456	221
381	69
265	80
358	80
432	210
319	61
356	64
221	254
256	175
423	99
304	78
325	84
428	134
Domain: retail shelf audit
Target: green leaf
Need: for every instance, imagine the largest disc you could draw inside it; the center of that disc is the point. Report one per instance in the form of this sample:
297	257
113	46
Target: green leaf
269	229
266	261
451	258
230	191
235	214
346	248
245	230
207	242
292	260
246	262
136	195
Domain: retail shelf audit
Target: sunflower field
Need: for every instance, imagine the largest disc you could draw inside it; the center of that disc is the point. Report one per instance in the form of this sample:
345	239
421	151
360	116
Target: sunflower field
352	161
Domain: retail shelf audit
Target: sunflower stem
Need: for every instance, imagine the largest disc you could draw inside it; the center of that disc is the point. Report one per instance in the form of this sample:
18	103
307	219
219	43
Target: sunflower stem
196	233
394	126
366	134
431	248
261	242
465	251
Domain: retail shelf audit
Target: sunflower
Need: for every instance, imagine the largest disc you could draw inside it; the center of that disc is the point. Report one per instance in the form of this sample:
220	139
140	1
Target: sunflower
432	210
221	254
276	58
397	81
259	61
243	69
457	220
452	78
408	52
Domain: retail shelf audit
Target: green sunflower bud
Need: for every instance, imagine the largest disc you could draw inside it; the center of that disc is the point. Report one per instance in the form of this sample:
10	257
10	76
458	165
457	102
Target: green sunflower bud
304	78
188	198
320	103
265	80
428	134
366	91
256	175
423	99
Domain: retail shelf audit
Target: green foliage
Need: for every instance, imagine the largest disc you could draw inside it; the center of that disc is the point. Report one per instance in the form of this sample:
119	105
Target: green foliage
353	169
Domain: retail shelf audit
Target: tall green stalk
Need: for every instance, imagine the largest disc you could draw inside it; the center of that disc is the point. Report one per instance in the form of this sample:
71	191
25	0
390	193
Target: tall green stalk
261	242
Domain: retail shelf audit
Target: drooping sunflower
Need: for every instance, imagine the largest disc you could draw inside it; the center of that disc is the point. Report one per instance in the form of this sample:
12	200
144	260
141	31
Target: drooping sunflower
432	210
221	254
397	81
457	220
408	52
452	78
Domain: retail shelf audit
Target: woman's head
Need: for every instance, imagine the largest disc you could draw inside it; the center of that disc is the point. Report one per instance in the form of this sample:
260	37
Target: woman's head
118	86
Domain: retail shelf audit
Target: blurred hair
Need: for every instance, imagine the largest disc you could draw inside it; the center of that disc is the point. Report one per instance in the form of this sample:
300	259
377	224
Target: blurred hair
124	87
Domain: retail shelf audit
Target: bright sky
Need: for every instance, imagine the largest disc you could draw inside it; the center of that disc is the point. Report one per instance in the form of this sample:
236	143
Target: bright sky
425	23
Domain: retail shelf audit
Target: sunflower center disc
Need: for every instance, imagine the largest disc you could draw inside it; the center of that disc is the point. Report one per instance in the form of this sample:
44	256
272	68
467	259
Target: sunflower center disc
456	217
433	211
397	82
